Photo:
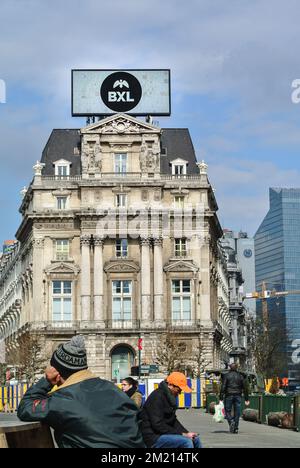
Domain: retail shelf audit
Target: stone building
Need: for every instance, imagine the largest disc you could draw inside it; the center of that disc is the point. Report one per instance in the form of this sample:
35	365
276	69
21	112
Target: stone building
118	241
237	308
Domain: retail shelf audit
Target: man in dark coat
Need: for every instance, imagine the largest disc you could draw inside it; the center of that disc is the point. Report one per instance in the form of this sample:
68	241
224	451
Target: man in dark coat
160	426
83	410
234	384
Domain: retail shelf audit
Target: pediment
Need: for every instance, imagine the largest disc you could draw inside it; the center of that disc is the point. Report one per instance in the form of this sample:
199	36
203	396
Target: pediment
62	162
181	265
119	266
62	268
120	124
179	161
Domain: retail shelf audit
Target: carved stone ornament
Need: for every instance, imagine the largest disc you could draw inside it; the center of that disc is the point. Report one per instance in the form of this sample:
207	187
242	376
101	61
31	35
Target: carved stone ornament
23	192
38	243
121	267
202	167
98	241
146	241
85	240
157	195
181	266
158	241
62	268
38	167
120	126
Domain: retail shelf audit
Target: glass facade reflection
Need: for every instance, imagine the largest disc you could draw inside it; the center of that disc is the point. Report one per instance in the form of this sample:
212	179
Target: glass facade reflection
277	262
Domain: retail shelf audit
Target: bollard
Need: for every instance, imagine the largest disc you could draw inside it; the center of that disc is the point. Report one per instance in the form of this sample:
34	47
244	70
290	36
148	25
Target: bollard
297	413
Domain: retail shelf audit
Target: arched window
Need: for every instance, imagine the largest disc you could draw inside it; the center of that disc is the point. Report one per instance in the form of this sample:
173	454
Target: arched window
122	359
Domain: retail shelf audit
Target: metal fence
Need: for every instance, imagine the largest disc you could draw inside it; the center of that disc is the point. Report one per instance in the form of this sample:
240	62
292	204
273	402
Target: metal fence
11	396
266	404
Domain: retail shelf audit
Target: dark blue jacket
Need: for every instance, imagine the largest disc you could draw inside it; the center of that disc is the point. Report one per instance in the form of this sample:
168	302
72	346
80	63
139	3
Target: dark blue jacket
85	412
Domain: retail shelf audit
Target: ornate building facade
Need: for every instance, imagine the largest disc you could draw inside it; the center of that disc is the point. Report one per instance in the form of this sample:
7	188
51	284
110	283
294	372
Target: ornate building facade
118	242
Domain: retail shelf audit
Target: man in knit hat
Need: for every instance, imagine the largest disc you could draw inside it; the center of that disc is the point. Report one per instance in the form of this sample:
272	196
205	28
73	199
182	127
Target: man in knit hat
83	410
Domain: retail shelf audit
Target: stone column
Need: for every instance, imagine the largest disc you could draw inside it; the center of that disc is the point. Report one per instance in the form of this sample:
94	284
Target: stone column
205	299
146	281
98	280
158	282
38	311
85	277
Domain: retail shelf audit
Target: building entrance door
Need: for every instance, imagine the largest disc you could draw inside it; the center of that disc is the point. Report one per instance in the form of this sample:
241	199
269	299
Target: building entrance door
122	359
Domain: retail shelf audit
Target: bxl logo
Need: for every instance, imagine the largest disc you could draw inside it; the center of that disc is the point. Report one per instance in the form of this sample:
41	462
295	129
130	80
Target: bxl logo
2	92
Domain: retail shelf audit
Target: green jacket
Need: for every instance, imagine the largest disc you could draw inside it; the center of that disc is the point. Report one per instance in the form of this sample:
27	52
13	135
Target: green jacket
85	412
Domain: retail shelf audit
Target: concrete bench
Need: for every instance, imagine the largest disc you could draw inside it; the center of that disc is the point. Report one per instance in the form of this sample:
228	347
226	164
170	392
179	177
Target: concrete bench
17	434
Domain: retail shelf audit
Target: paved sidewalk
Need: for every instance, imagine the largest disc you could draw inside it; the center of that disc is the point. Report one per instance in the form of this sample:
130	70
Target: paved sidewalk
251	435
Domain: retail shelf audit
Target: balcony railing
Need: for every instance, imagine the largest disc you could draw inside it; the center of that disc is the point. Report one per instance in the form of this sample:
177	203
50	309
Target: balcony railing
122	324
111	325
121	175
183	324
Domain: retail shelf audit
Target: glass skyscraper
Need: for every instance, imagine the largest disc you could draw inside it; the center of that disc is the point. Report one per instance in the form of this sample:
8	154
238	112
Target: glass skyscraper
277	262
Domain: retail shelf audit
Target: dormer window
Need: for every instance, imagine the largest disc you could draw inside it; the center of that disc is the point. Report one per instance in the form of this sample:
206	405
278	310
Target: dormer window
179	167
62	169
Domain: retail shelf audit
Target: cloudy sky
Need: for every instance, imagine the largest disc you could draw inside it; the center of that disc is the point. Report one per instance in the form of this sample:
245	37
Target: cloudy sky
232	63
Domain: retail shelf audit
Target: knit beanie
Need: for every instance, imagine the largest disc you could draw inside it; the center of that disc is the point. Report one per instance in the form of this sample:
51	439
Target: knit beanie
70	357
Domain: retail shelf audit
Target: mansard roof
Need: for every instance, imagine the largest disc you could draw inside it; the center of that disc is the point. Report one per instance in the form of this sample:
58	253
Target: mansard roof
62	144
177	143
66	144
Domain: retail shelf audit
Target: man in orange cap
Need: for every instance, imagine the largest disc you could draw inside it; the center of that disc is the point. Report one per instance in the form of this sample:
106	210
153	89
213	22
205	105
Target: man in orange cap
160	426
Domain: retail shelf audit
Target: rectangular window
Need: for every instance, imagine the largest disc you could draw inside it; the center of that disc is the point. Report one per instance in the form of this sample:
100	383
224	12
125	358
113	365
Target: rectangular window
179	170
120	163
62	171
121	200
121	248
61	203
122	300
181	300
62	249
62	301
180	248
179	202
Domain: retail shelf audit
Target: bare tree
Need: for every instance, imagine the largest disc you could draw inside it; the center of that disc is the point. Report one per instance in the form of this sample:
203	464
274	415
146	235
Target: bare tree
200	362
267	342
168	353
3	368
28	358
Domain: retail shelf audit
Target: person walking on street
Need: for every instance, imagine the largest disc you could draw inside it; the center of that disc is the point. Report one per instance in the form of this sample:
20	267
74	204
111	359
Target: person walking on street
160	426
130	387
234	384
84	410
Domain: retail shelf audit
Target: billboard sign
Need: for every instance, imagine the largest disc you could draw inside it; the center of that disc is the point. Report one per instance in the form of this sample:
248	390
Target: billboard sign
134	92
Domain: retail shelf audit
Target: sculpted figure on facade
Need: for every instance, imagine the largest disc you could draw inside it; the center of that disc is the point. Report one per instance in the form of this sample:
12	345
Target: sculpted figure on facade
149	158
156	155
91	157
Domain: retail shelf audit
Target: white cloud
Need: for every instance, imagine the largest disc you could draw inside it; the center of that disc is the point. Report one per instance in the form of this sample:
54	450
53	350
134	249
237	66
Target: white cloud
242	190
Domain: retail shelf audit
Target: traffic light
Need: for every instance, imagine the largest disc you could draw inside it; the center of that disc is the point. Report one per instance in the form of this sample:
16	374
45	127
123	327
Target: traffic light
140	344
